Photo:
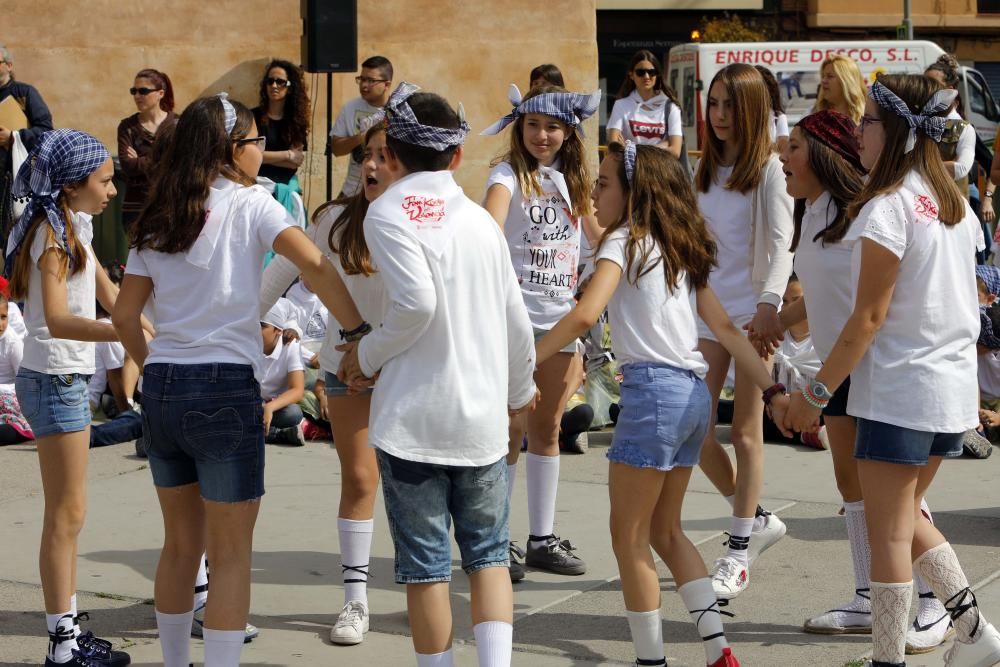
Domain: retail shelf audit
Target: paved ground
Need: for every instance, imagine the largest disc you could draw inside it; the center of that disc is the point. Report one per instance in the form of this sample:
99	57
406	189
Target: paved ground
560	621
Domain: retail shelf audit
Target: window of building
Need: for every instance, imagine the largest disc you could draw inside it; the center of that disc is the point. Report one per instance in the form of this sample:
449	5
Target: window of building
988	6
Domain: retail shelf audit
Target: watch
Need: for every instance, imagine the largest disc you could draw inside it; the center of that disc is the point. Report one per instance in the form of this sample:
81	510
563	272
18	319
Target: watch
819	390
989	194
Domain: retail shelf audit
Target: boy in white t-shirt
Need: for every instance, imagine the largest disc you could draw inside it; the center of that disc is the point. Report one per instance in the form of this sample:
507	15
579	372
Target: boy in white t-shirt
282	381
347	137
456	337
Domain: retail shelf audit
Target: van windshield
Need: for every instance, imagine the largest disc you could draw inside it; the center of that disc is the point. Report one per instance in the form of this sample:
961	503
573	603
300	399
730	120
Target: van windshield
981	101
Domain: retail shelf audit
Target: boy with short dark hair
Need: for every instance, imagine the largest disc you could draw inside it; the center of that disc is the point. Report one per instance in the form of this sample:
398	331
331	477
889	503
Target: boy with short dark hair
456	341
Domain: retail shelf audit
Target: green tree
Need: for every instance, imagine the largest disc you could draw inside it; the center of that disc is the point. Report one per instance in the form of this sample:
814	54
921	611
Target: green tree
730	28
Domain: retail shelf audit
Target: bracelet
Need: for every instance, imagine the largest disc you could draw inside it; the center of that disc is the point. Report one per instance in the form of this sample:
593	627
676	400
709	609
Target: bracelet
989	194
812	400
772	391
356	334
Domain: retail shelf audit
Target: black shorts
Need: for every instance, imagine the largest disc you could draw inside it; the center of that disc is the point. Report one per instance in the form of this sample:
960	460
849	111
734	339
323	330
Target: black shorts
837	407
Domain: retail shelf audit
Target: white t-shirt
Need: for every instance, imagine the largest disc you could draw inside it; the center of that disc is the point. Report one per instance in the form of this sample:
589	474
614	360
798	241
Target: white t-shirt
15	320
311	316
284	359
348	124
824	270
920	371
796	362
456	348
42	352
965	151
779	126
109	356
544	242
989	374
728	216
211	315
649	322
646	122
11	351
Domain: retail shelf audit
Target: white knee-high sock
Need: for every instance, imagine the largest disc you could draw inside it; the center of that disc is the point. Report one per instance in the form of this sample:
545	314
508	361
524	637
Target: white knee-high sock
443	659
890	617
699	598
355	552
62	636
511	477
861	552
223	647
926	595
739	539
201	584
543	485
175	638
941	569
494	643
76	615
647	636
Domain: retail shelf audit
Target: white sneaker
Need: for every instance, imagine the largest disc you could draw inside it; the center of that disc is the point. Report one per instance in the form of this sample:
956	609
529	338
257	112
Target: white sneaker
729	578
984	652
198	626
853	618
352	624
931	628
763	538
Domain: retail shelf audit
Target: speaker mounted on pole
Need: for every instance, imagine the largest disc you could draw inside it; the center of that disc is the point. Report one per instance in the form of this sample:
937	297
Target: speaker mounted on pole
329	35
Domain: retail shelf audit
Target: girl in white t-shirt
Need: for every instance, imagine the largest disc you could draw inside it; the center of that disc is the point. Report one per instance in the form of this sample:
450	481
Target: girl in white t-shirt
196	253
778	127
741	193
538	194
647	110
652	274
910	349
67	178
338	229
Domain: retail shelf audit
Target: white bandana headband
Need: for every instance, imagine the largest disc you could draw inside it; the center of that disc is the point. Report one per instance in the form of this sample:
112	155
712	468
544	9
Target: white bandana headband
230	112
629	160
927	121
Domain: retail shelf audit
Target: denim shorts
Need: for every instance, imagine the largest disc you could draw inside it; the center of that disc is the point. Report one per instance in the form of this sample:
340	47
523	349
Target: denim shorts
540	334
205	424
421	499
334	387
878	441
53	403
665	415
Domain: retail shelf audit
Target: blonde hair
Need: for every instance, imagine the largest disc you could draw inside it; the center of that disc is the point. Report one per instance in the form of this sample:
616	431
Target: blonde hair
851	82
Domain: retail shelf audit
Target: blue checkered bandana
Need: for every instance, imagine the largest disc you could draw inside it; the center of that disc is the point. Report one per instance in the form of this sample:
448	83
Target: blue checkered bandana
927	121
570	108
401	124
991	276
61	157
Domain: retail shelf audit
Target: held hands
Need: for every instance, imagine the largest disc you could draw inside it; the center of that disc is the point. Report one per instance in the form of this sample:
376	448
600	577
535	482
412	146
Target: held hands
766	332
777	409
527	407
801	416
350	372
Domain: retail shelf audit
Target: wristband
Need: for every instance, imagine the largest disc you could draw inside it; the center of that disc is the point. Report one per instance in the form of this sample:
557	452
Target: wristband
989	194
812	400
356	334
772	391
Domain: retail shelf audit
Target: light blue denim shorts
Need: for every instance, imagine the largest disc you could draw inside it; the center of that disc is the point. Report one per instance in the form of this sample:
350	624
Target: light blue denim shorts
665	415
334	387
53	403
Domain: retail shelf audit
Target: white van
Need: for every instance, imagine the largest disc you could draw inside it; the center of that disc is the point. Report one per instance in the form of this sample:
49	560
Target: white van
691	67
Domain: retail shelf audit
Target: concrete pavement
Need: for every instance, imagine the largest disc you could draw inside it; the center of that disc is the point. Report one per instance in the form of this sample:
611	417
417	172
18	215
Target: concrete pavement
560	621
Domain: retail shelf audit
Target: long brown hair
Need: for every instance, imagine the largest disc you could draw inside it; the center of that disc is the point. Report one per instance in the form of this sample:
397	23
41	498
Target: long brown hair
21	275
751	120
661	86
572	154
893	164
842	180
196	152
661	204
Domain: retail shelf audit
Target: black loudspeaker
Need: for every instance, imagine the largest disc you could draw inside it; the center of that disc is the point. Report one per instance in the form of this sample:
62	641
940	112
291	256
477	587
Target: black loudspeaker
330	35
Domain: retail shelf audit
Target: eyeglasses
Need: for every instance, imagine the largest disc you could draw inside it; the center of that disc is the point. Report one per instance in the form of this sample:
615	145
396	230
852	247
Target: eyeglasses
867	120
651	73
280	83
142	91
260	141
368	81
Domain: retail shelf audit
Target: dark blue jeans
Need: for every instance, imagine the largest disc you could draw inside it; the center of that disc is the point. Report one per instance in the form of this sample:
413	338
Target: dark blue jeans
123	428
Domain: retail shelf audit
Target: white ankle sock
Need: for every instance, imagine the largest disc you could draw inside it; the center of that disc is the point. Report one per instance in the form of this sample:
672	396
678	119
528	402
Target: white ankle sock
940	567
175	638
890	618
201	584
701	603
543	484
444	659
861	552
223	647
739	541
355	552
494	643
511	477
647	634
62	626
72	609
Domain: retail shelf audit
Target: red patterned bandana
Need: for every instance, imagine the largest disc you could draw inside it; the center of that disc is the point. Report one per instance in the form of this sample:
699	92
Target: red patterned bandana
835	131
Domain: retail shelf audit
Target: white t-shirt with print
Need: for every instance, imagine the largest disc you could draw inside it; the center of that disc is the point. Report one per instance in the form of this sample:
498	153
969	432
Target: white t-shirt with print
44	353
284	359
646	122
11	352
311	316
211	315
920	371
109	356
727	214
348	124
544	241
650	322
824	270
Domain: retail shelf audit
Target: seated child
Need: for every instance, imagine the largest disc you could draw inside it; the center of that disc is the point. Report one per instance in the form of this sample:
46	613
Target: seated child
282	382
311	318
988	349
14	427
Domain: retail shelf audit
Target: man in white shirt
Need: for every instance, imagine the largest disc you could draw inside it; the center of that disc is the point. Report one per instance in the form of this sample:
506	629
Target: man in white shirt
456	340
282	381
346	138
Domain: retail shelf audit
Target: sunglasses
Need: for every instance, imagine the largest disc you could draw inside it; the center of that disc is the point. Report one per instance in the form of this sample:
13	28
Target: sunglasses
261	142
368	80
275	81
651	73
133	91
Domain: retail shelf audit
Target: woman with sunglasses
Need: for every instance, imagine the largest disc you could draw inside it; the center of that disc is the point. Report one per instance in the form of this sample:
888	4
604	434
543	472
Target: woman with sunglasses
153	95
283	118
646	111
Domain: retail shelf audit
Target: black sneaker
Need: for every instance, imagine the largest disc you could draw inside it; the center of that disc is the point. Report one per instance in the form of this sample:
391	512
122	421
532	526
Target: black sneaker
975	445
293	435
100	650
78	660
516	569
553	555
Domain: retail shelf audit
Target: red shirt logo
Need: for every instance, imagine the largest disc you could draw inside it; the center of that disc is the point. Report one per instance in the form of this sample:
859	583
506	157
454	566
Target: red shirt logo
925	207
641	130
423	210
